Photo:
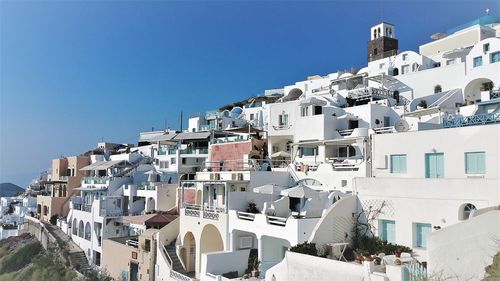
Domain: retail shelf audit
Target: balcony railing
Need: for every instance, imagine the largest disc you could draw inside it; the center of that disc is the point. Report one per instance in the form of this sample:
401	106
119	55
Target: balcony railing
242	165
95	180
282	127
201	150
166	151
110	213
479	119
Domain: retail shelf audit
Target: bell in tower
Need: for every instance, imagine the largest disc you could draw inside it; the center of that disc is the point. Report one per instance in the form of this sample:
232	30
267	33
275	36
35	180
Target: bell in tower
383	42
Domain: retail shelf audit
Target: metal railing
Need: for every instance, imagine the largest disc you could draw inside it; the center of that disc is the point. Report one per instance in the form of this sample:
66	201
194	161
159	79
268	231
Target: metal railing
495	94
282	127
246	216
201	150
243	165
479	119
276	220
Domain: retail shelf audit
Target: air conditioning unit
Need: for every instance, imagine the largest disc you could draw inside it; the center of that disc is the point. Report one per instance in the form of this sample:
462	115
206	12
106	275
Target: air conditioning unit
246	242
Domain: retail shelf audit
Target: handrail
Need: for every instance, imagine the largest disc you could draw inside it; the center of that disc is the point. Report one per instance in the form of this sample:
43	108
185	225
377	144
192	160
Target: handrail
164	250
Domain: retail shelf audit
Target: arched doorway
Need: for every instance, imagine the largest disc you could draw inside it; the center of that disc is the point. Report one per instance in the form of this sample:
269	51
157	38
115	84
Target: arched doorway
395	72
472	91
211	240
88	231
188	252
198	198
150	204
75	227
80	229
465	211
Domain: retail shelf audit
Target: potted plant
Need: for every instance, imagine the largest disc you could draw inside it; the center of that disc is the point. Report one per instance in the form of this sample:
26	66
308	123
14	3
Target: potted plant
422	104
358	260
255	267
252	208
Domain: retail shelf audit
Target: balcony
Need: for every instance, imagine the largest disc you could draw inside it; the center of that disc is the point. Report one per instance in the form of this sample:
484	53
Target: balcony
167	151
201	150
96	180
473	120
197	211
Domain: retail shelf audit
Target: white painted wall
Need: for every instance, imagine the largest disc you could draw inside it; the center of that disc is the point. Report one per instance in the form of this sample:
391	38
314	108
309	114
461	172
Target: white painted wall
462	251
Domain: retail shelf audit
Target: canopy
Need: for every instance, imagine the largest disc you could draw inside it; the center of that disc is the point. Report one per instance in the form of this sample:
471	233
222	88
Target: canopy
101	165
314	101
268	189
300	191
283	154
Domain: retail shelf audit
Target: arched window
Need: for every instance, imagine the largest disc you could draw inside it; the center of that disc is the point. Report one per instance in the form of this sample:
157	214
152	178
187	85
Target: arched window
374	34
465	211
414	67
88	232
75	227
395	72
80	229
437	89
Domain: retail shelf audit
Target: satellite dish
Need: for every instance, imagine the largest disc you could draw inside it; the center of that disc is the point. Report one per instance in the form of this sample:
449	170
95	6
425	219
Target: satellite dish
401	126
437	36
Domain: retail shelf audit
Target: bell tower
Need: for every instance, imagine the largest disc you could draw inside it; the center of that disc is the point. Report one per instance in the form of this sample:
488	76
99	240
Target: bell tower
383	42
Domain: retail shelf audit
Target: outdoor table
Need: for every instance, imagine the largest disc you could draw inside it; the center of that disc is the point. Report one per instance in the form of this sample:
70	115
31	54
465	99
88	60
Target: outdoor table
342	247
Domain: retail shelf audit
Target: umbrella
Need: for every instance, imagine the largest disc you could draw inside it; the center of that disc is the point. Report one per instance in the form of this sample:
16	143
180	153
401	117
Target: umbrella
283	154
300	191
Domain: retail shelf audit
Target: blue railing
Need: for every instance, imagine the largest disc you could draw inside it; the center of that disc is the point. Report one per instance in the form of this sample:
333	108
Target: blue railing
479	119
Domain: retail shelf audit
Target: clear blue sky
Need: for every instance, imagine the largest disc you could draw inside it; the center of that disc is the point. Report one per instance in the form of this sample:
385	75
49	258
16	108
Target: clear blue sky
72	73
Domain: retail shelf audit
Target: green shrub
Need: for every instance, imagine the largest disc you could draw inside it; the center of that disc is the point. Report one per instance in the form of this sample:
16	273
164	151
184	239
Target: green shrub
305	248
374	245
20	258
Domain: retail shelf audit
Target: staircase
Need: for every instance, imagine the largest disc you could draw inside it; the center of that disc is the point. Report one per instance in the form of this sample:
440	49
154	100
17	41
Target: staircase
79	261
176	263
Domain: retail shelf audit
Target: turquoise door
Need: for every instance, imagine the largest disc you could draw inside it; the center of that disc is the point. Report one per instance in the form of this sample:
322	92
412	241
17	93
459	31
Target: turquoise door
389	231
434	165
423	229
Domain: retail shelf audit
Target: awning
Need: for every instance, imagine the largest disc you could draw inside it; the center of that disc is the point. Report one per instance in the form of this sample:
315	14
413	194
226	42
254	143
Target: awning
348	116
90	188
300	191
283	154
101	165
165	137
423	112
192	136
314	101
268	189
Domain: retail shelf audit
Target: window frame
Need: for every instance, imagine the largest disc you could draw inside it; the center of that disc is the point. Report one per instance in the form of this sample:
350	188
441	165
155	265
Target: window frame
477	170
398	157
477	61
497	54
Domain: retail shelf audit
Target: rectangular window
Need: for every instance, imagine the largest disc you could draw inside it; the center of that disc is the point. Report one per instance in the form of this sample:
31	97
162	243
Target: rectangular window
475	163
434	165
405	69
450	62
421	232
251	116
283	119
486	47
495	57
163	164
304	111
318	110
398	164
478	61
173	160
381	66
147	245
405	56
308	151
388	230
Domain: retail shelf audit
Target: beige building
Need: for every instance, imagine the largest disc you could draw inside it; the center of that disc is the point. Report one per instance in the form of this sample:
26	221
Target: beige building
66	176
